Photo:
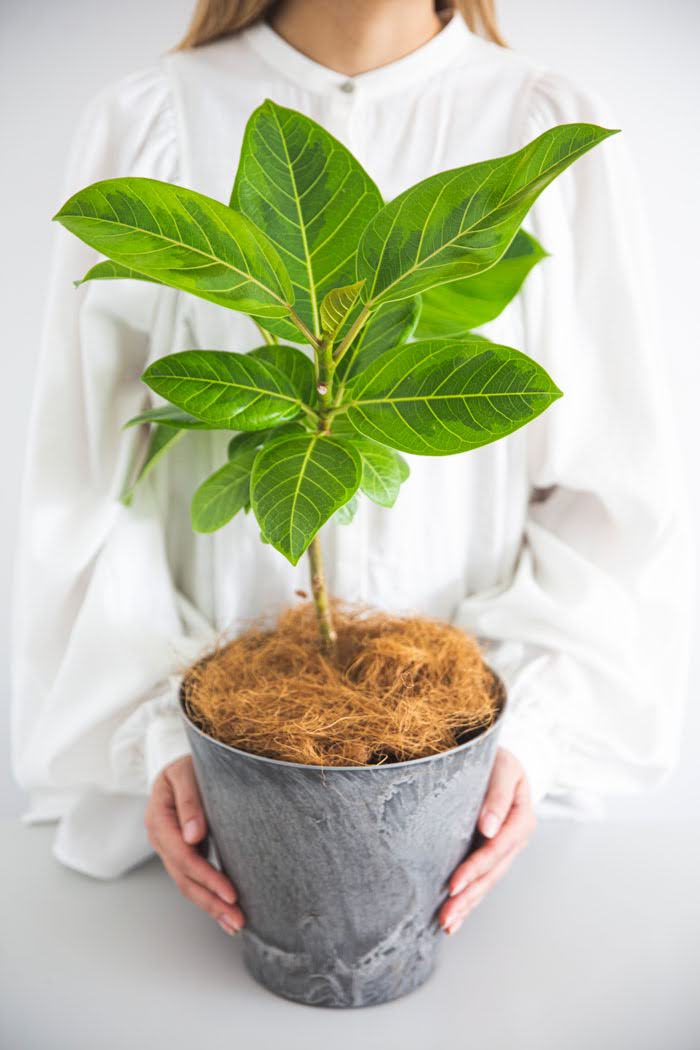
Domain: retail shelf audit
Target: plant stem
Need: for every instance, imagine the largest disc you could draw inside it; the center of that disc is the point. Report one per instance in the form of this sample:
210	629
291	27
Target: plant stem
325	371
320	598
269	338
304	329
352	332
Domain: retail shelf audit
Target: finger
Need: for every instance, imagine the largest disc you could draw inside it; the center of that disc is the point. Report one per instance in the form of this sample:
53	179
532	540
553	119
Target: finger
475	893
518	827
166	838
188	804
473	896
499	796
188	862
458	905
230	918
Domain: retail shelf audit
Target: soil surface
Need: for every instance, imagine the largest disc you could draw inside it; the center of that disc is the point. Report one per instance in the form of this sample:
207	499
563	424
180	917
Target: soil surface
398	688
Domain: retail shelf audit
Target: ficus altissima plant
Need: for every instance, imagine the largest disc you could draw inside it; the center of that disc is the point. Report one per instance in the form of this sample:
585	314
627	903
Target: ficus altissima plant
383	295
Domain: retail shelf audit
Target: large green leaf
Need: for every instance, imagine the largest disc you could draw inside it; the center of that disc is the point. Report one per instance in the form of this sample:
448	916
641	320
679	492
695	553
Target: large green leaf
310	195
452	309
160	439
182	239
242	444
460	222
298	482
223	494
235	391
298	368
440	397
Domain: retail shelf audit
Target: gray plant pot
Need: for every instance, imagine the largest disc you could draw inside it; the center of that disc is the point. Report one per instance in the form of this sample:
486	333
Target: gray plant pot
340	870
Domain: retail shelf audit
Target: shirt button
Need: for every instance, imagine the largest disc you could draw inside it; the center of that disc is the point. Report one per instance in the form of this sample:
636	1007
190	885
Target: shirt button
348	87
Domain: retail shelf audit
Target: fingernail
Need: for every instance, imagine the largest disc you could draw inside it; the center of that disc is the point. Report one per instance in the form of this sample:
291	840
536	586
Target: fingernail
490	825
189	832
453	926
459	886
227	896
228	925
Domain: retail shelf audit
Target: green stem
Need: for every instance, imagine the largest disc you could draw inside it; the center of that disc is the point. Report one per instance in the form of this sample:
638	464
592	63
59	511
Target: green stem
269	338
304	329
352	332
320	598
325	370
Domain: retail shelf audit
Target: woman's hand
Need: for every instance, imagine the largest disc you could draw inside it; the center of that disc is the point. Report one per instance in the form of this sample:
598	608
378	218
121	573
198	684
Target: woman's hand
176	824
506	820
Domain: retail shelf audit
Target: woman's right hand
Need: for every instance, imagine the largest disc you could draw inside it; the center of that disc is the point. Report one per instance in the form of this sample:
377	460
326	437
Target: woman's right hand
176	823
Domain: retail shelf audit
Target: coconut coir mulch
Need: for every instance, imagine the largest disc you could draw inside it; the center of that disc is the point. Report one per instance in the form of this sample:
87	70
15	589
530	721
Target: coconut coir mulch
399	688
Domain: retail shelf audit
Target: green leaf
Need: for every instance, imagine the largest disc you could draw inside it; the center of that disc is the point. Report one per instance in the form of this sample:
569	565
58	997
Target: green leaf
404	469
298	483
345	514
161	439
223	494
337	307
110	271
241	444
244	442
452	309
182	239
234	391
169	416
310	195
390	325
440	397
460	222
382	472
383	469
294	363
256	439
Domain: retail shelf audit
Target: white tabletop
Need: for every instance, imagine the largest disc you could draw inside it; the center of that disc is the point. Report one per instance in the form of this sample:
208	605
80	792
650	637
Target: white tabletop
592	942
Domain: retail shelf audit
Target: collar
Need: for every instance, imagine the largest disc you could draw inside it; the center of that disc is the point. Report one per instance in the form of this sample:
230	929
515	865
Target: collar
431	58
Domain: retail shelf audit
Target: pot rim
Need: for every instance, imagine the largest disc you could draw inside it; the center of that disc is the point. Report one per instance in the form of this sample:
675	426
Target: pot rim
370	766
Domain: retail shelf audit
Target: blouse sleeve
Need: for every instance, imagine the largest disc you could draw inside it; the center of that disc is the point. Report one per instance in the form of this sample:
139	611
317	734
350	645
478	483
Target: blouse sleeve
100	632
592	633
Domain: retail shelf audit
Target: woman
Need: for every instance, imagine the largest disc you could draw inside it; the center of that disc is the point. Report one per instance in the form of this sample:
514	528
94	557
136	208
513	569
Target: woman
564	548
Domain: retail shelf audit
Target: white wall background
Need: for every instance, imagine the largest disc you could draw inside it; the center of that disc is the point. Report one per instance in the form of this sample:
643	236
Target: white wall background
641	55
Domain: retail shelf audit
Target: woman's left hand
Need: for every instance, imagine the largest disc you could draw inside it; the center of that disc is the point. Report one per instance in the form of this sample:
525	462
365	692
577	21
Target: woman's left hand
506	821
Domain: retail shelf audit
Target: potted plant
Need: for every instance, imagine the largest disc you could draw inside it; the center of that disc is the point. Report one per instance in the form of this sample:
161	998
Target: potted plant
340	864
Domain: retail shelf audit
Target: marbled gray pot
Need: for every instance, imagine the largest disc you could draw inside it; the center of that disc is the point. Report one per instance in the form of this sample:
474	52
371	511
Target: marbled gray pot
340	870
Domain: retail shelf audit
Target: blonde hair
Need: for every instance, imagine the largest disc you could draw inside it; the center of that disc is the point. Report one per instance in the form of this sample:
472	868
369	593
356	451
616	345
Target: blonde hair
213	19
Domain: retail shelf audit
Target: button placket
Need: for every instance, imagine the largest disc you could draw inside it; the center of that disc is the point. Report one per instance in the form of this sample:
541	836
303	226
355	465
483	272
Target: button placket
347	107
342	102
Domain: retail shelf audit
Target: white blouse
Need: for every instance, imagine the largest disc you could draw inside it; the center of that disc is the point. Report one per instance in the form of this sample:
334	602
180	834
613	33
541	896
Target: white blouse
565	547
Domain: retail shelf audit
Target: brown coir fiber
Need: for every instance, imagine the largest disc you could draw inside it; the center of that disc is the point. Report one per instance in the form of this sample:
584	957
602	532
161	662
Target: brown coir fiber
399	688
